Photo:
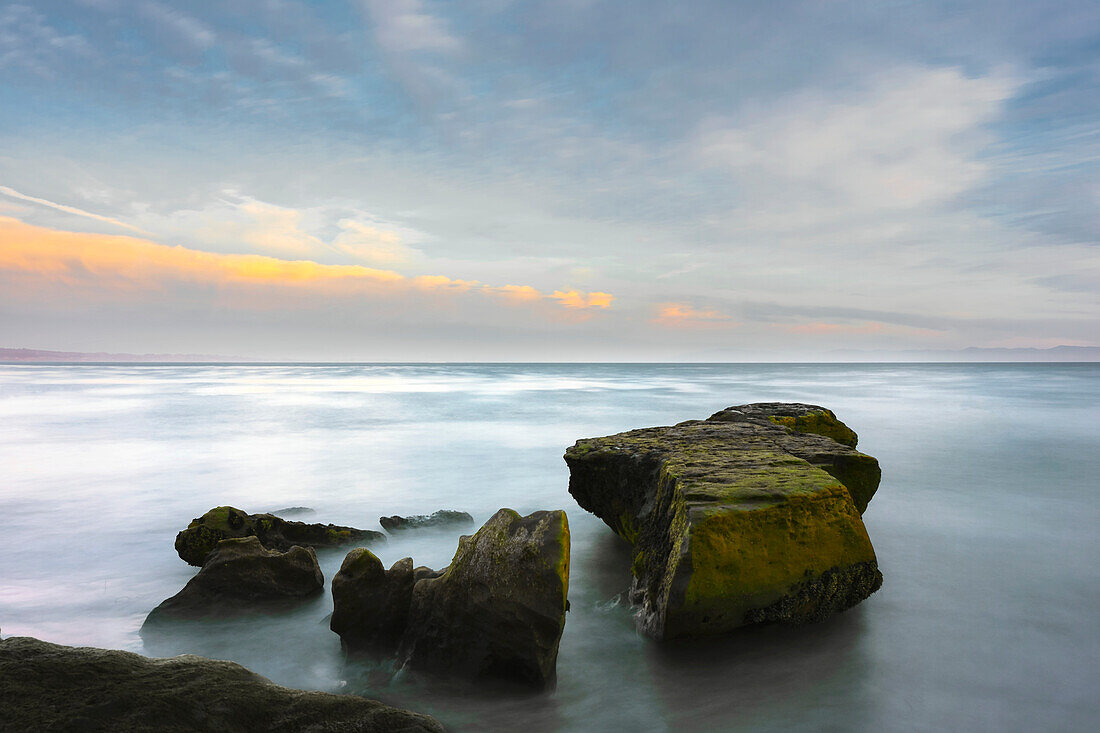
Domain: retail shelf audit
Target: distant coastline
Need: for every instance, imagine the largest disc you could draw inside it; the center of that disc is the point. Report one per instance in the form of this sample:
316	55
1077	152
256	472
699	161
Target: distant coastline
42	355
974	354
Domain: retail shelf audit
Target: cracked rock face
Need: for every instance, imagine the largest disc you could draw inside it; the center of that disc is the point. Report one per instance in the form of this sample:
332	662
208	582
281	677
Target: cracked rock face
751	516
275	533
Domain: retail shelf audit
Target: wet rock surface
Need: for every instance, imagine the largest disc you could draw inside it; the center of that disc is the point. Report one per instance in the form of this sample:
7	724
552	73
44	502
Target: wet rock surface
441	518
48	687
371	604
275	533
242	575
497	611
743	518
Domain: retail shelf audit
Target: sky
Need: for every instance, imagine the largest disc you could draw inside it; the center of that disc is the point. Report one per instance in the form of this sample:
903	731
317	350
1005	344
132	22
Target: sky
407	180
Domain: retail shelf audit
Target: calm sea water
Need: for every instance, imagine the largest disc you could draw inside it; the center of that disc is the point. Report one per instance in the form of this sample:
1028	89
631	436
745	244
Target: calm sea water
986	528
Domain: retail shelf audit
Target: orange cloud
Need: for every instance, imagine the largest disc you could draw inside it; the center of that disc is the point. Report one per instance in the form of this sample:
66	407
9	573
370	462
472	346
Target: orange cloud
682	315
576	299
518	292
124	263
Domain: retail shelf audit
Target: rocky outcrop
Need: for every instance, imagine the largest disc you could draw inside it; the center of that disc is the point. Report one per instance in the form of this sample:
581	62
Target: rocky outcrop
275	533
441	518
837	456
50	687
240	574
750	516
371	604
497	611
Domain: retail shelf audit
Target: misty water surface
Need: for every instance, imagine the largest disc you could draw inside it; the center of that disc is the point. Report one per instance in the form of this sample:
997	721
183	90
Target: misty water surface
985	527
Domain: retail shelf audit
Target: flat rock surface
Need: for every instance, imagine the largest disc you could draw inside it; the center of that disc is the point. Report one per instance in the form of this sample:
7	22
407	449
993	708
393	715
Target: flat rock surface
738	519
47	687
275	533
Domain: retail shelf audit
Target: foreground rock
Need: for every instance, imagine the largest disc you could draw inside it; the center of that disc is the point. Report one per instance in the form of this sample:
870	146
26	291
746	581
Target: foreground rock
239	575
751	516
499	609
371	604
442	518
50	687
275	533
496	612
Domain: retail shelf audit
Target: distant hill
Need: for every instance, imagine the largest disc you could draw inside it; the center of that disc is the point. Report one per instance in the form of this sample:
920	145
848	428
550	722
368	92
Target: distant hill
39	355
975	353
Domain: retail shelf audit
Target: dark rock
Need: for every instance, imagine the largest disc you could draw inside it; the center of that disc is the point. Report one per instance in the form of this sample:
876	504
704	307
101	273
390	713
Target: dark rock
739	519
442	518
499	609
371	605
275	533
293	511
50	687
240	574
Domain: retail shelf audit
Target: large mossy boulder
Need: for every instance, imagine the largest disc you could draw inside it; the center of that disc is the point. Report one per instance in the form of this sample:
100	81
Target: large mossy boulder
242	575
740	519
275	533
370	604
47	687
499	609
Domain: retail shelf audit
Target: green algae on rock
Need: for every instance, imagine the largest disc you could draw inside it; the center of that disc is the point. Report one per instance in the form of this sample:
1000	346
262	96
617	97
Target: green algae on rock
750	516
48	687
275	533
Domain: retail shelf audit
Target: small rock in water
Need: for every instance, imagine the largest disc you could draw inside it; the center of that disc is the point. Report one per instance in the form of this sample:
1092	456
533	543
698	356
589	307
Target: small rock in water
441	518
371	604
275	533
293	511
497	611
241	574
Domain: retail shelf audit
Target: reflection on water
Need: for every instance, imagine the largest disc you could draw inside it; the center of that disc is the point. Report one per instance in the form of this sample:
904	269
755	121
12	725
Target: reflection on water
985	528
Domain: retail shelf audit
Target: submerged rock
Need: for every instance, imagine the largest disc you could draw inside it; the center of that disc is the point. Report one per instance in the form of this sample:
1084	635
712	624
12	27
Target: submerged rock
241	573
275	533
50	687
499	609
441	518
748	517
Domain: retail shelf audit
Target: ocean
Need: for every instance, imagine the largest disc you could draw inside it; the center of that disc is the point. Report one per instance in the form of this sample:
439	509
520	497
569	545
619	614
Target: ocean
986	526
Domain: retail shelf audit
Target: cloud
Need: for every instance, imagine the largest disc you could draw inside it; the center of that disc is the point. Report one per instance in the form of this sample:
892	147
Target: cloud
69	209
368	243
582	301
402	26
519	293
682	315
906	138
125	266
